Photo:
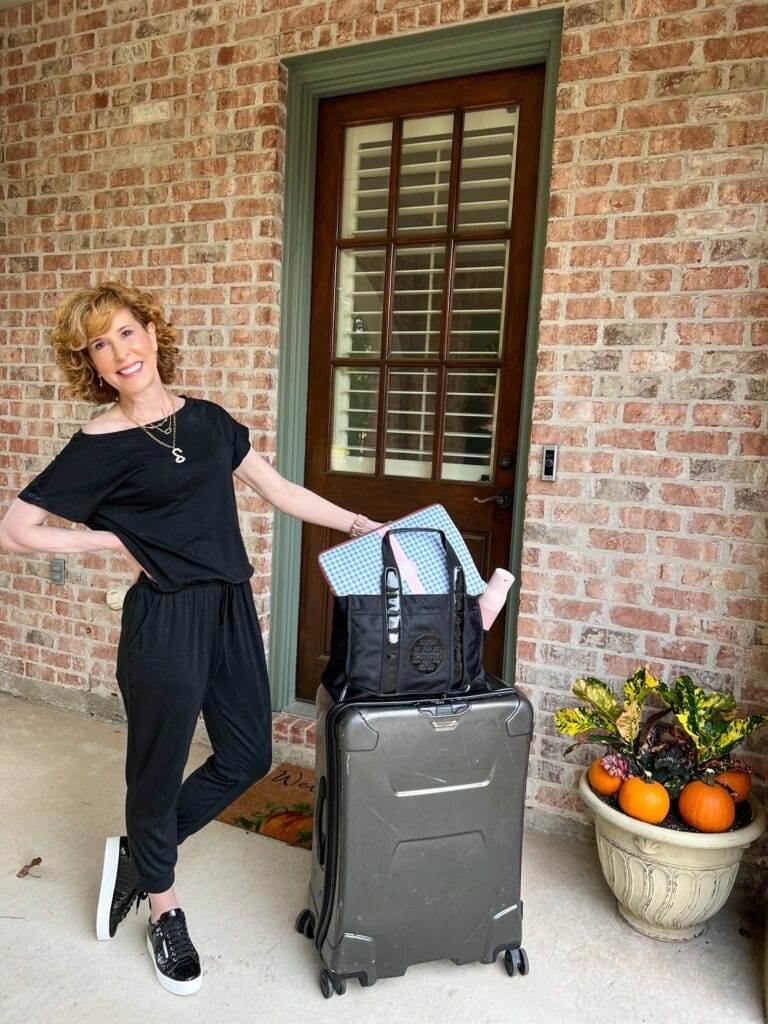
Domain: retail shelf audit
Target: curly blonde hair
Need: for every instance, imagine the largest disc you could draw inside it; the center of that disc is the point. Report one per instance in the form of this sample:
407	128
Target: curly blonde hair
87	313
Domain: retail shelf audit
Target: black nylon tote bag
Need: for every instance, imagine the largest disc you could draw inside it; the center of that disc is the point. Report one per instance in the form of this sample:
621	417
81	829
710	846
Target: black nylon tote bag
396	643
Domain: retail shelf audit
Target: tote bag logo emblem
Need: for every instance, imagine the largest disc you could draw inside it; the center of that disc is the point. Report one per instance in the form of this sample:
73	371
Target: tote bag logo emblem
427	654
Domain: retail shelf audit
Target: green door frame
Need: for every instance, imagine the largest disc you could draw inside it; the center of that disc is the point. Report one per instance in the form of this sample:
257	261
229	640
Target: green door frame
488	45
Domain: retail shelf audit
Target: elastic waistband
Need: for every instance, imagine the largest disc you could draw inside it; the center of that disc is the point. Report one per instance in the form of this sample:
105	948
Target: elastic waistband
144	581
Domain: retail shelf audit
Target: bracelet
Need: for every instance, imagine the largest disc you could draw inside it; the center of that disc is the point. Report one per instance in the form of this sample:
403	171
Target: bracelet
359	526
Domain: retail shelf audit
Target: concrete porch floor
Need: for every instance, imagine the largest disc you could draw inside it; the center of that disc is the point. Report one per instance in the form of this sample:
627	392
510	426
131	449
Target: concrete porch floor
62	793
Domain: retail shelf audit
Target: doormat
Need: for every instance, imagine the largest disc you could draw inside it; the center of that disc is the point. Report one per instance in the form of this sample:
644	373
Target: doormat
281	806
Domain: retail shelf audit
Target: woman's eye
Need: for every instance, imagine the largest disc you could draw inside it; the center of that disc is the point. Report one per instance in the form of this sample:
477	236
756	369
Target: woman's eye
98	344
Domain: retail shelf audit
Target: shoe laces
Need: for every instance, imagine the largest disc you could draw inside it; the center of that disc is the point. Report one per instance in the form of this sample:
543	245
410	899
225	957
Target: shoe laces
174	929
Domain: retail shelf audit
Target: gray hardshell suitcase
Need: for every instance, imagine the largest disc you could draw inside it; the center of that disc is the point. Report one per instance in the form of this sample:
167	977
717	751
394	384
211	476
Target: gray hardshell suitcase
418	833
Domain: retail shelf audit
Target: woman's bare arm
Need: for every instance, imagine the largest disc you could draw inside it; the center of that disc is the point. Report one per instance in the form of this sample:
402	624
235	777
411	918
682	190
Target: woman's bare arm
22	532
292	498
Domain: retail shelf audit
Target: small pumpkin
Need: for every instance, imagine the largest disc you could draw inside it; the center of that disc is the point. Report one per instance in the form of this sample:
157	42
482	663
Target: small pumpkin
739	782
706	806
644	799
286	825
601	780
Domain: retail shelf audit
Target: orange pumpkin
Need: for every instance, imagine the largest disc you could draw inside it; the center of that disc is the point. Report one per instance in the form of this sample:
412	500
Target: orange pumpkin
739	782
706	807
602	781
646	801
286	825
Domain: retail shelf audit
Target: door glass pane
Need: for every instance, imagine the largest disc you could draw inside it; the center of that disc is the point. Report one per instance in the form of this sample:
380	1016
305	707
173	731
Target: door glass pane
479	297
365	190
410	423
488	150
418	296
355	411
425	170
359	303
471	400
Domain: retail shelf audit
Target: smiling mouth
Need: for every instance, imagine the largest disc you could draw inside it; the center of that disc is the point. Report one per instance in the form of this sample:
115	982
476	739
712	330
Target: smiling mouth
131	371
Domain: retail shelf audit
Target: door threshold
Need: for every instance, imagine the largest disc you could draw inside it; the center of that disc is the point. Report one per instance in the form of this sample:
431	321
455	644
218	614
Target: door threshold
301	709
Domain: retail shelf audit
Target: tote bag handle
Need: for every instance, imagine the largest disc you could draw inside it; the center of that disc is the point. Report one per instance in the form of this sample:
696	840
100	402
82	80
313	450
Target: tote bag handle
392	591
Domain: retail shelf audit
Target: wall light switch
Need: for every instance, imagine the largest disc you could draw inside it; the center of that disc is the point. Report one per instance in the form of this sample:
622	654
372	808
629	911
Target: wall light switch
549	462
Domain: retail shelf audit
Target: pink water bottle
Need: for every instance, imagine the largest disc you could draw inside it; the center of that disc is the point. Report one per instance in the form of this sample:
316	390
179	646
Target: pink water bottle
492	599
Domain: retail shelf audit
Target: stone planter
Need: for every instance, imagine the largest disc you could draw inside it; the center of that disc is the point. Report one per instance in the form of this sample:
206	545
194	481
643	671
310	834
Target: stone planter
667	884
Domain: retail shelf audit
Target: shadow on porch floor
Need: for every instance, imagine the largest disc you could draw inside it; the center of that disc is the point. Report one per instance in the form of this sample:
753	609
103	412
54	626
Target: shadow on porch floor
63	792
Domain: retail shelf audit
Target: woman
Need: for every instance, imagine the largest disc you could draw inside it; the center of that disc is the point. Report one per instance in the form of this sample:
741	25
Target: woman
152	478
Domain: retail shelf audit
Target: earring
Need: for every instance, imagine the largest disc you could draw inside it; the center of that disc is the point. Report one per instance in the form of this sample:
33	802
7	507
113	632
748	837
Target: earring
101	382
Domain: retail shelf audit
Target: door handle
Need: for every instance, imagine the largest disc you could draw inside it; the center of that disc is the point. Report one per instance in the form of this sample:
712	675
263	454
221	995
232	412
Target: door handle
503	499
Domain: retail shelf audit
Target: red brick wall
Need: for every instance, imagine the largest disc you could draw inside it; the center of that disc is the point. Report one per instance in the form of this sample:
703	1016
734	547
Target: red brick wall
146	138
652	366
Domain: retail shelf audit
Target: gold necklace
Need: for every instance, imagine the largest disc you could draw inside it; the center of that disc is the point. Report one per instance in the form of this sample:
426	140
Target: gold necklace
177	452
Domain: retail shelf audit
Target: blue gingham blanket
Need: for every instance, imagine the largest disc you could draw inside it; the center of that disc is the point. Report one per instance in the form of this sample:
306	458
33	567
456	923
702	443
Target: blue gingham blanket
355	566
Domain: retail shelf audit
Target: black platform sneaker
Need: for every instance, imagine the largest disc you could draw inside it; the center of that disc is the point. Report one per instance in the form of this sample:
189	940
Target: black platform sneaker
118	887
177	964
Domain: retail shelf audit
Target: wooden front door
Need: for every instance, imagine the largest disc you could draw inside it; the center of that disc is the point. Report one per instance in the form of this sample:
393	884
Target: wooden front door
423	233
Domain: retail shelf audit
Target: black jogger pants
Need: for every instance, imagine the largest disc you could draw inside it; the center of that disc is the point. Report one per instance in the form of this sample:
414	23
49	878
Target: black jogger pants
182	652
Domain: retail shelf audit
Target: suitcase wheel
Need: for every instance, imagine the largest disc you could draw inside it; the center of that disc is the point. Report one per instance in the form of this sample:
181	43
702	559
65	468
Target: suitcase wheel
305	924
516	961
330	983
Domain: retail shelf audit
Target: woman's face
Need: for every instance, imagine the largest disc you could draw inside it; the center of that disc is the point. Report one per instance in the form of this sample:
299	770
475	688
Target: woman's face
122	348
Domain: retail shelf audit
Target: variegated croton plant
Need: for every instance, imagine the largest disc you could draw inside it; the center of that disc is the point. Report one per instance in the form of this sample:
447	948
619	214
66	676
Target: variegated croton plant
694	731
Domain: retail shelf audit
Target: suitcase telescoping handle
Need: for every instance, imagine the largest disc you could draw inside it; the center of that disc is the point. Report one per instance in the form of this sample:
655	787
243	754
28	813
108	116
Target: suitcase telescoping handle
392	593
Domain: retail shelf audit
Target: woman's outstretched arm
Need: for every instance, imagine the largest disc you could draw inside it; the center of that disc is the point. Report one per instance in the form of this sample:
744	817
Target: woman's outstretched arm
295	500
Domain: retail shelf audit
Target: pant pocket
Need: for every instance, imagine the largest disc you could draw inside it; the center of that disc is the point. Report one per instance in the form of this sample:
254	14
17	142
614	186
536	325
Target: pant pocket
139	609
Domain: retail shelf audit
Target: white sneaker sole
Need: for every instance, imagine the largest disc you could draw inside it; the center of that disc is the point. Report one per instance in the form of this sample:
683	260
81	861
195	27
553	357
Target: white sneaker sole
108	878
179	988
